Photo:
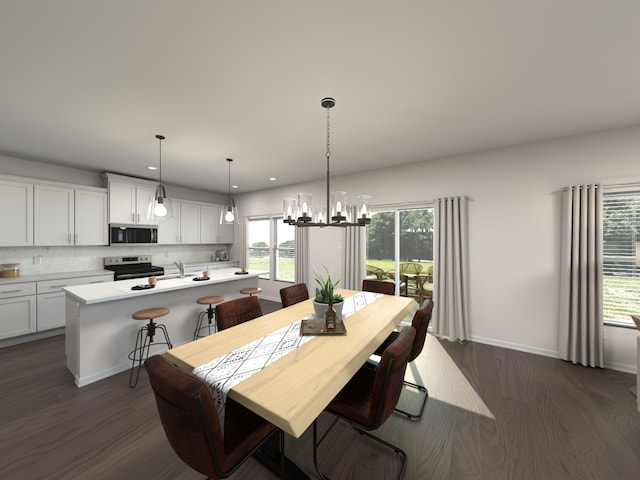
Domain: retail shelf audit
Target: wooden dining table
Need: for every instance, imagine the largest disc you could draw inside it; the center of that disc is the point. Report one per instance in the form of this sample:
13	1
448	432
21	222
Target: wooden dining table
294	390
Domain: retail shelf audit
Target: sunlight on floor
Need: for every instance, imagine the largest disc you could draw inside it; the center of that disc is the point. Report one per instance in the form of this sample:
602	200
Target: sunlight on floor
446	382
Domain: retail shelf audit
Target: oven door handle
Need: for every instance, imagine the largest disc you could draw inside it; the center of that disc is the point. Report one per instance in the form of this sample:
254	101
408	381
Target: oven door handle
129	276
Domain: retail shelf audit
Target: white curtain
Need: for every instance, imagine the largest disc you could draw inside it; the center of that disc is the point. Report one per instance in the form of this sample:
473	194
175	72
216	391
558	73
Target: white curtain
581	335
302	254
354	262
450	272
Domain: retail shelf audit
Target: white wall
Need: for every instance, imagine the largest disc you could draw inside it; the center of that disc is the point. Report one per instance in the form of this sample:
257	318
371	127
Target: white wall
514	227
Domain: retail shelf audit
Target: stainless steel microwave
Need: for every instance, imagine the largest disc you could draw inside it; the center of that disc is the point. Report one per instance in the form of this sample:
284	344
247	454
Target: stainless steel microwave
132	235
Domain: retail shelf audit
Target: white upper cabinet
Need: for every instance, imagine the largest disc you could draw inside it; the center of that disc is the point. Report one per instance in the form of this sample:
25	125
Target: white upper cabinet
122	202
144	195
190	222
16	213
225	230
194	223
209	216
91	217
69	216
53	215
129	202
169	228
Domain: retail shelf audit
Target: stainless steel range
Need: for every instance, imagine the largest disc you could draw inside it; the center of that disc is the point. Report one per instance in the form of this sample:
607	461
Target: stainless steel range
137	266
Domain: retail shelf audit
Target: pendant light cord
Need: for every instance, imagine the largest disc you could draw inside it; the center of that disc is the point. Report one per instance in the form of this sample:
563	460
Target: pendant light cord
160	138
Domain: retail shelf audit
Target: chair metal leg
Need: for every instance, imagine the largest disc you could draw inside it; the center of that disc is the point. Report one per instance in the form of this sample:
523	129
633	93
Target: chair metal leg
316	443
425	395
358	429
393	447
407	384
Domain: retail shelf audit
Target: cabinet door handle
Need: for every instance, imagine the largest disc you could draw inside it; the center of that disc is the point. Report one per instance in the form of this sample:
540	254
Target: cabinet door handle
69	241
10	291
77	239
58	286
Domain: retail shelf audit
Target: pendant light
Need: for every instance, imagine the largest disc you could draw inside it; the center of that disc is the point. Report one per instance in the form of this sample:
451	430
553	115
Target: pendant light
230	212
301	213
160	207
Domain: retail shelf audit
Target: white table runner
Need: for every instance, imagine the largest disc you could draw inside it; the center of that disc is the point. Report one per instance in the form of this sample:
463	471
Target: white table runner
223	373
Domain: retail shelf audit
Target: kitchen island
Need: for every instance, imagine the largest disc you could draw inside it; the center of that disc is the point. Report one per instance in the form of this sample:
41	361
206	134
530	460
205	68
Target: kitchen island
100	332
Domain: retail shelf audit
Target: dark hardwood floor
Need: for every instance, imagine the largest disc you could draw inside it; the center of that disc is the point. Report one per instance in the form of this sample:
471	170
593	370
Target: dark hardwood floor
492	414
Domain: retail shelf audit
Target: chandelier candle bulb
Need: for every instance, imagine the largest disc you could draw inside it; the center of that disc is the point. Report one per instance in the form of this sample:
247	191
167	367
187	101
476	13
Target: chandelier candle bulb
304	203
363	206
289	207
339	205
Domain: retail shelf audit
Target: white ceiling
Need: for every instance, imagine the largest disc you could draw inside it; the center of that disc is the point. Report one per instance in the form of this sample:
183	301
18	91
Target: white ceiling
89	83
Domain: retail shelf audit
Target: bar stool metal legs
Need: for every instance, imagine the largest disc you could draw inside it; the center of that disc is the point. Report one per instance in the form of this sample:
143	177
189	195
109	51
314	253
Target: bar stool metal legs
209	314
144	339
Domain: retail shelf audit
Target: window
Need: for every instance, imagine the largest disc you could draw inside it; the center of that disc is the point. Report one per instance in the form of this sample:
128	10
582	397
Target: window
402	236
271	247
621	234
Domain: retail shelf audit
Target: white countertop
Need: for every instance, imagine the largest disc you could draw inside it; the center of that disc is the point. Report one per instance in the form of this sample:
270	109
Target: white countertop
54	276
106	292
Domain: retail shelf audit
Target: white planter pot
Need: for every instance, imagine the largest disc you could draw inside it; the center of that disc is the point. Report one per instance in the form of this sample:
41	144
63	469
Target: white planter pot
321	307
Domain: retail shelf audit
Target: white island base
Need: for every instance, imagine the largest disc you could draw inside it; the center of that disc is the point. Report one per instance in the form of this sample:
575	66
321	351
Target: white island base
100	332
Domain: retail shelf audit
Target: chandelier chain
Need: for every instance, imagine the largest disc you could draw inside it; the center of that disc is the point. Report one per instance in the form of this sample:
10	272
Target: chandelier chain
328	134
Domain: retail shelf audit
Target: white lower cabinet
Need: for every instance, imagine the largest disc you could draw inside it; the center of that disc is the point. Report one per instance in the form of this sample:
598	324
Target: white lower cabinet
17	309
51	313
51	299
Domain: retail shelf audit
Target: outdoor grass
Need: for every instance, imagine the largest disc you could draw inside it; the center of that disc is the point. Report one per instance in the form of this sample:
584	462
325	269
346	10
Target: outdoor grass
620	300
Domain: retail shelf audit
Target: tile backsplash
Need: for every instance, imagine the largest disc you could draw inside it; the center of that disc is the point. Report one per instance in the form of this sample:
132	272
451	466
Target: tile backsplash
73	259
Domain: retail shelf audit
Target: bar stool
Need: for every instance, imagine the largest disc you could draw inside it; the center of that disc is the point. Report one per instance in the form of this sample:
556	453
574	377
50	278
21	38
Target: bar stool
209	313
144	339
251	291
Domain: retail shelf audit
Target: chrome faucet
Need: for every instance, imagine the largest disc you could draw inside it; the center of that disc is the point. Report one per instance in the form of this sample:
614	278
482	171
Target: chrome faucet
180	266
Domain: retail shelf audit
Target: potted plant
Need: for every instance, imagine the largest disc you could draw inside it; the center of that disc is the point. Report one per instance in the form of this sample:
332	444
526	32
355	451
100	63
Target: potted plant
325	295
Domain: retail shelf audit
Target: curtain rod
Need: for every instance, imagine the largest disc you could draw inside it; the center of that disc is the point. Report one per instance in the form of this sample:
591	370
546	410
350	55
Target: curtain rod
632	185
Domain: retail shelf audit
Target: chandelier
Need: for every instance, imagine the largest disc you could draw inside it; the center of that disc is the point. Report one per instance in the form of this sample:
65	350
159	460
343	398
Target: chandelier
337	213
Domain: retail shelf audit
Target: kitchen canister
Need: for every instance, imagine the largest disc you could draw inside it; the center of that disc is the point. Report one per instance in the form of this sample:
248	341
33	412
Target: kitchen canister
9	270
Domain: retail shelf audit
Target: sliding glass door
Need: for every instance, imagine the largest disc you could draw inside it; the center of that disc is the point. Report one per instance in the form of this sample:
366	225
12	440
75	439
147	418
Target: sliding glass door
400	249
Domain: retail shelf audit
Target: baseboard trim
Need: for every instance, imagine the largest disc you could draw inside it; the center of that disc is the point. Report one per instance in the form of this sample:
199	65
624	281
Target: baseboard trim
516	346
621	367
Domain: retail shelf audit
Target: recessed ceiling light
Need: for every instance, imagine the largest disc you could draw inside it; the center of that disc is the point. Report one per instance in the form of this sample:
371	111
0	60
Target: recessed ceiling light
152	168
234	186
273	179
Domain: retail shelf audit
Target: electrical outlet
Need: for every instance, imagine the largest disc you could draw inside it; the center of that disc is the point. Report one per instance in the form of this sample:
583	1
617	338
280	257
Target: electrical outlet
37	260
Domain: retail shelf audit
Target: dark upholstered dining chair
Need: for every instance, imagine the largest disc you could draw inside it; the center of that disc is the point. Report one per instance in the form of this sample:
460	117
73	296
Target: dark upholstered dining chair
294	294
188	415
231	313
420	323
369	398
379	286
